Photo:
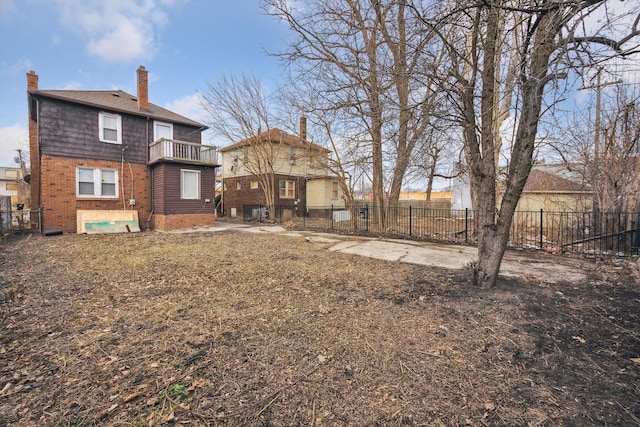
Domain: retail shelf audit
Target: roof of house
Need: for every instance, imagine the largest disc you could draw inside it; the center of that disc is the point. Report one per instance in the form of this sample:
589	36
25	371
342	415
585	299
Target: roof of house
279	136
118	101
541	181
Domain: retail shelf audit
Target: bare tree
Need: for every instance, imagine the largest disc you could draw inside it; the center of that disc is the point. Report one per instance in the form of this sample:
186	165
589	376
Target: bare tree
609	166
545	36
239	111
438	155
368	60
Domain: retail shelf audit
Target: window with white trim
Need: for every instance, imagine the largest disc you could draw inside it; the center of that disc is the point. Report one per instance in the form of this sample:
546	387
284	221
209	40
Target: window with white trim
110	128
96	182
190	184
162	130
334	189
287	189
254	185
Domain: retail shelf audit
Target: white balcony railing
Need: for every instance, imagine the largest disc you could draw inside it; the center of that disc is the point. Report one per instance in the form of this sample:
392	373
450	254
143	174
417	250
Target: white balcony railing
188	152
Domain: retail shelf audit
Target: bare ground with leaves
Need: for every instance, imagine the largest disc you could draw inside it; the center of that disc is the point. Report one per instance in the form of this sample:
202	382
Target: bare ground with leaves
246	329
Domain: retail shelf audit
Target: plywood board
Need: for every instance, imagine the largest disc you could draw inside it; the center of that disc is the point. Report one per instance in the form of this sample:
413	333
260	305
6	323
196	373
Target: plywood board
107	221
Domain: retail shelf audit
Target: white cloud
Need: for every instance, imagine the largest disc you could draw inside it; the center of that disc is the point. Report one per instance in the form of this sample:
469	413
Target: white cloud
20	66
116	30
13	138
189	106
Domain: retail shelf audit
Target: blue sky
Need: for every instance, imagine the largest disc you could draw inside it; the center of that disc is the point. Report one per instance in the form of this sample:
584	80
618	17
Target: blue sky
99	44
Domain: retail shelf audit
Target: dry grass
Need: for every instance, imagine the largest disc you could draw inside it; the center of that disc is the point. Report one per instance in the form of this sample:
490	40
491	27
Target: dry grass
267	330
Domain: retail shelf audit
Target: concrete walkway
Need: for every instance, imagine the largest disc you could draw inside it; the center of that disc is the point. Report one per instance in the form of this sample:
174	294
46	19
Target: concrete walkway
514	264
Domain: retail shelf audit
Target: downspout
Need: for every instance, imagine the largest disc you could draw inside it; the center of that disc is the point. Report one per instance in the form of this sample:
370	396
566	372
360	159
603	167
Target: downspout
151	195
40	209
124	204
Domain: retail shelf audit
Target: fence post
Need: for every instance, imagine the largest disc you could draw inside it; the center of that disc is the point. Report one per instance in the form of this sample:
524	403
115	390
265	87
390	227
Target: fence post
366	216
466	225
410	220
332	216
541	219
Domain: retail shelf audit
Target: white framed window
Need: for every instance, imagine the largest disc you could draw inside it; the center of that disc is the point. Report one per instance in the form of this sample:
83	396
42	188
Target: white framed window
293	156
287	189
254	185
238	185
334	189
162	130
190	184
110	128
96	182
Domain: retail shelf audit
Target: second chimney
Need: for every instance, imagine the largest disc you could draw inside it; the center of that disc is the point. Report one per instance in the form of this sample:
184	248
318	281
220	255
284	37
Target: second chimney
143	89
303	128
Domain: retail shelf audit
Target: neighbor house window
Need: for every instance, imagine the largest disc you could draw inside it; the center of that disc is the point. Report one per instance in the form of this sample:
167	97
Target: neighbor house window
12	187
190	185
254	185
238	185
110	128
334	190
293	155
95	182
287	189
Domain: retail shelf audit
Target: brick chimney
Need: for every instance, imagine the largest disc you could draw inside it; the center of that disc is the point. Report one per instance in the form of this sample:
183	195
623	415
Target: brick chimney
34	144
303	127
32	81
143	89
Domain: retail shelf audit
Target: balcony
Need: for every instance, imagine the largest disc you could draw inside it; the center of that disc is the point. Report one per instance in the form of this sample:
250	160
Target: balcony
183	152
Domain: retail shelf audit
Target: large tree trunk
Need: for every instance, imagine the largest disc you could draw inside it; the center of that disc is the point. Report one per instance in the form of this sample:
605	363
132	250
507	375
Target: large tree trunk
494	229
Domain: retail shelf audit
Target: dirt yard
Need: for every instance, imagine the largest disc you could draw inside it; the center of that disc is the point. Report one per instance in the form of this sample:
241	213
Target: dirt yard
241	329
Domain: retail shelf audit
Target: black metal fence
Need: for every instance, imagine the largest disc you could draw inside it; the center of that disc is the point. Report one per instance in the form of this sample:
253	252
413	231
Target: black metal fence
603	233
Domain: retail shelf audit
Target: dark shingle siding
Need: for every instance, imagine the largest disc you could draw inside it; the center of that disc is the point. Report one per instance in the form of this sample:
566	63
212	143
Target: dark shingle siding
71	130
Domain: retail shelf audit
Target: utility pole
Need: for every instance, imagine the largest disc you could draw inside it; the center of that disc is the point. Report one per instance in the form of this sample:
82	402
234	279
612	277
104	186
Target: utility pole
596	167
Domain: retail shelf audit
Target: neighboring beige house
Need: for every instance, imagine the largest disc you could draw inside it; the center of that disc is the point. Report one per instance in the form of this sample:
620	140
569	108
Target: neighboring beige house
14	195
13	188
302	179
552	192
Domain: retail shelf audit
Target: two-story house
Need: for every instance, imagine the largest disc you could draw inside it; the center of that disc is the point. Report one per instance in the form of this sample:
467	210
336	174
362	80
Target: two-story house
296	168
14	196
103	158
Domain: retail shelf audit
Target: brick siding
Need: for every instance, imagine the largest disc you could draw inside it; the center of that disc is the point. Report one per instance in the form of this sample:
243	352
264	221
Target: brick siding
58	192
180	221
234	198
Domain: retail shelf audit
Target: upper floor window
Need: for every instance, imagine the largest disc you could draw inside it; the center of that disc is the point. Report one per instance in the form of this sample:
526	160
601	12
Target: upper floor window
110	128
162	130
292	154
334	189
95	182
